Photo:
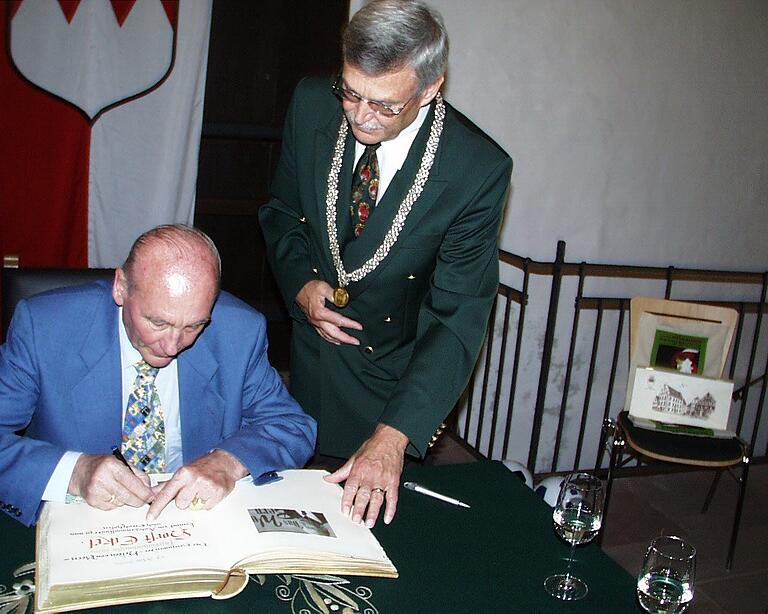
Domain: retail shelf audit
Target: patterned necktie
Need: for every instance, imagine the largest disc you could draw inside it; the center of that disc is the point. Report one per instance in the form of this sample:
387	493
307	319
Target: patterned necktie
144	427
365	186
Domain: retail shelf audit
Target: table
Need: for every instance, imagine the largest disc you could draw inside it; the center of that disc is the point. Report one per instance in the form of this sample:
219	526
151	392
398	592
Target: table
490	558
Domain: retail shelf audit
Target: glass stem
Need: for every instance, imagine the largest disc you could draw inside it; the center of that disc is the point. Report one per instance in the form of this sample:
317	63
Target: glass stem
568	566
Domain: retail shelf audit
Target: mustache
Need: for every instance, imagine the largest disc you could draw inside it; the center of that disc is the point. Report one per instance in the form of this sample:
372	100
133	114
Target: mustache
367	126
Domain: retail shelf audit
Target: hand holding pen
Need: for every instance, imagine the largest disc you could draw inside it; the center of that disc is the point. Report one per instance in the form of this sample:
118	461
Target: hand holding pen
105	484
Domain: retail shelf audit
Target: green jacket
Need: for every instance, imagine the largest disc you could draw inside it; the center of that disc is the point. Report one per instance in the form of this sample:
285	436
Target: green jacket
424	309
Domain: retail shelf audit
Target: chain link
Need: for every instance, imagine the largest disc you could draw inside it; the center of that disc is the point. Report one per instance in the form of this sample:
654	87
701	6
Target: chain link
332	197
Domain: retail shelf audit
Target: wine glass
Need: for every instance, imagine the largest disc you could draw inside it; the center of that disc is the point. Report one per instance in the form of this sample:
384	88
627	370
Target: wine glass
577	517
665	583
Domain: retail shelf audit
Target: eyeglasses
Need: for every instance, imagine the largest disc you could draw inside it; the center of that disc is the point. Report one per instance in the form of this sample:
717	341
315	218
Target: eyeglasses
380	108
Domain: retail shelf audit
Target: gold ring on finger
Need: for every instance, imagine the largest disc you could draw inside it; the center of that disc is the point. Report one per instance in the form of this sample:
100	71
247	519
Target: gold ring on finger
381	490
197	503
112	498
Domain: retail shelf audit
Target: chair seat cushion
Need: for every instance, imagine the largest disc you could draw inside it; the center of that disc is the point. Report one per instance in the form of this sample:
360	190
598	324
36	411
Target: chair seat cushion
684	449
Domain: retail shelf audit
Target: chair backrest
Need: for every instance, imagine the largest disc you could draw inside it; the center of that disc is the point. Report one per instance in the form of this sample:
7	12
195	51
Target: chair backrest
18	284
711	325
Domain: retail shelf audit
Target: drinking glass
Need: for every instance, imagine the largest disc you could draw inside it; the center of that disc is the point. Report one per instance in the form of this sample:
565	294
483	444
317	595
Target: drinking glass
577	517
665	583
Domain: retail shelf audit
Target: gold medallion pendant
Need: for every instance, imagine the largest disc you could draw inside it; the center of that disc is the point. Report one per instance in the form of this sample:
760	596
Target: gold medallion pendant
340	297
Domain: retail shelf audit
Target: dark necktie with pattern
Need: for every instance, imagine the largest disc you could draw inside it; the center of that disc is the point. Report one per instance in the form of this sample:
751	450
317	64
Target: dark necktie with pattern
144	425
365	187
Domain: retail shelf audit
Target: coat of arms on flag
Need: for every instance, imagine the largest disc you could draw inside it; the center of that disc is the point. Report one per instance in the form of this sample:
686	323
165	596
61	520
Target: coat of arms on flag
101	114
93	54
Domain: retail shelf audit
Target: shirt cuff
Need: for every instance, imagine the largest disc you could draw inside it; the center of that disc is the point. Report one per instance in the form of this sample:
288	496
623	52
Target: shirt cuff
56	490
267	478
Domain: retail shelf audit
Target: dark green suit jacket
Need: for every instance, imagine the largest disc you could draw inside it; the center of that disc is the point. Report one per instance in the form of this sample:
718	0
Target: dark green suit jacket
423	310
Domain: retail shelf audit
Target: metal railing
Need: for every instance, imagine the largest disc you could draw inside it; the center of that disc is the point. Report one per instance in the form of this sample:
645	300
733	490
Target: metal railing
575	390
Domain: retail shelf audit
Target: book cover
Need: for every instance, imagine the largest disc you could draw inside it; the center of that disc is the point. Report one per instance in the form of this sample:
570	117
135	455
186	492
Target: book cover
679	352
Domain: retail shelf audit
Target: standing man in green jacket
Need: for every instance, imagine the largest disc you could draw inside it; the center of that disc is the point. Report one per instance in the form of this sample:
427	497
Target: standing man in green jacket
382	232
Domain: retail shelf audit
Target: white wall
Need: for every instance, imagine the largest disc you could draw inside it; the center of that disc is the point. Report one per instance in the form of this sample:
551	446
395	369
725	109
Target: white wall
639	129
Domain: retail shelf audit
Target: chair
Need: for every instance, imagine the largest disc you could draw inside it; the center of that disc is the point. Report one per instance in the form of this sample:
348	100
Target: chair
628	442
19	283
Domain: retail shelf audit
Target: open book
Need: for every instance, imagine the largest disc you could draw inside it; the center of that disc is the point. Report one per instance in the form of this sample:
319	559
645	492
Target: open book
88	557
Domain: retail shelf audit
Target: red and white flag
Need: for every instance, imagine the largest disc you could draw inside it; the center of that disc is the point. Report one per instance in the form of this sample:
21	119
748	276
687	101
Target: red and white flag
101	105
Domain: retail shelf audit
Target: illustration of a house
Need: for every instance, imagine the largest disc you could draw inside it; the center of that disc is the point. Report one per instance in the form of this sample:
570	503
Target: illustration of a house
671	401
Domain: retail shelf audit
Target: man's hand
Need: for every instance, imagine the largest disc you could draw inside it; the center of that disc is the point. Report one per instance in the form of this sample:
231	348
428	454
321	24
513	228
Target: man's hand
311	299
373	476
207	480
106	483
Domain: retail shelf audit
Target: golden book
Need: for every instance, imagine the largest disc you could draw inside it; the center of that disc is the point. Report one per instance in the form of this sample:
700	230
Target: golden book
89	558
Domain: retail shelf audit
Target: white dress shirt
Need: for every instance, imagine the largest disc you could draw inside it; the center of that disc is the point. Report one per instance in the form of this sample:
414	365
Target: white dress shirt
391	155
167	384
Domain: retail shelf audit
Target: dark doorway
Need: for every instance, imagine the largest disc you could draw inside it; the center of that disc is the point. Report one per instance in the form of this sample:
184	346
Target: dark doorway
259	50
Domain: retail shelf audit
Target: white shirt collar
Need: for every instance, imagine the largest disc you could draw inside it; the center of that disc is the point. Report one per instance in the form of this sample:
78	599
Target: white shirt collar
129	355
392	154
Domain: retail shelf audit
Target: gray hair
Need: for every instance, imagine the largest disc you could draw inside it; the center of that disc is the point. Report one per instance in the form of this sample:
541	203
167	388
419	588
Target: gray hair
179	237
387	35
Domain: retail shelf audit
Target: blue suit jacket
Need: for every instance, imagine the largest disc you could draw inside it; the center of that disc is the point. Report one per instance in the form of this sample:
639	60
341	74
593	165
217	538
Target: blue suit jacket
60	379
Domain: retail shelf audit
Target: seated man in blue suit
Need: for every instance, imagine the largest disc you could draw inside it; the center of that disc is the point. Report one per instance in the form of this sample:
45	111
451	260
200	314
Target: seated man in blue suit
161	367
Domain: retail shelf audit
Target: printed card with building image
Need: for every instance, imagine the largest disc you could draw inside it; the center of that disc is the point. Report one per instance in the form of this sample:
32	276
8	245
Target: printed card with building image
670	397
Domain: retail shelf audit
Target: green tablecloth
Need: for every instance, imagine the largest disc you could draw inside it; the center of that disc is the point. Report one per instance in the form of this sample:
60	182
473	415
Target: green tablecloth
490	558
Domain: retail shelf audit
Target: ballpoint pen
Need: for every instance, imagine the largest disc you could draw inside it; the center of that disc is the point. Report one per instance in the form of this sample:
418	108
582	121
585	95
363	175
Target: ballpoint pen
154	478
431	493
119	456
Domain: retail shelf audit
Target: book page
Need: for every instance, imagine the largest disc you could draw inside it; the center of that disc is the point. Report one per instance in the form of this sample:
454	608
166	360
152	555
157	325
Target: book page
82	543
301	512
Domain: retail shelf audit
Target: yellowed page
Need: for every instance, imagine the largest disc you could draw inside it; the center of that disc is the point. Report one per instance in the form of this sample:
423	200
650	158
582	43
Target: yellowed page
295	518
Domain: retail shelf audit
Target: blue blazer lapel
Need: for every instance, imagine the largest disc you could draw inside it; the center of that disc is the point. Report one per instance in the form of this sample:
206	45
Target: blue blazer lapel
200	402
97	391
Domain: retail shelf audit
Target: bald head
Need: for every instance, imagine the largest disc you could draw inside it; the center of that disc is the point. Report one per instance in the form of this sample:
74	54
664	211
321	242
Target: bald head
167	287
173	248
